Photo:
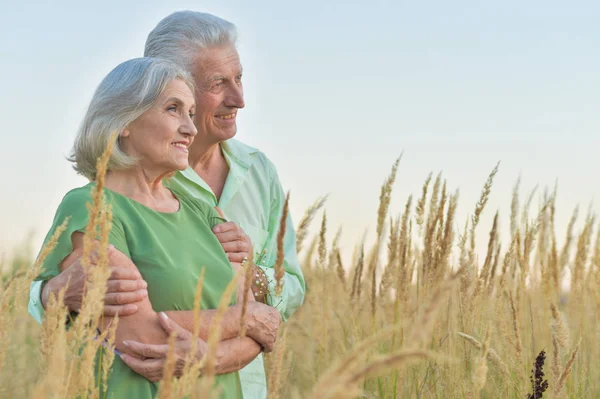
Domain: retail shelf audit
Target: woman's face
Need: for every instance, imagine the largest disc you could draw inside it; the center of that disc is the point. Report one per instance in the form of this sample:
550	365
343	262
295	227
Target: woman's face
160	137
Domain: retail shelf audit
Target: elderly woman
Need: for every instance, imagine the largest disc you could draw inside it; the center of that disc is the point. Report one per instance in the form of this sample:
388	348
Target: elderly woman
168	236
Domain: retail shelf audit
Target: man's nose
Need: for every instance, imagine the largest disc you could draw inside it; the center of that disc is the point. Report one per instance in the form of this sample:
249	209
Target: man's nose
235	97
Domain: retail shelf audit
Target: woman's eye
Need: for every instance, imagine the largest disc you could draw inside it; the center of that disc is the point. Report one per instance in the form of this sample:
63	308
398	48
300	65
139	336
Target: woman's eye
192	115
172	108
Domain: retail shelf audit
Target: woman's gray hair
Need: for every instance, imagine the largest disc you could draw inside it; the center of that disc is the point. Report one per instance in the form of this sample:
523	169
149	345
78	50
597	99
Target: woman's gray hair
180	36
124	95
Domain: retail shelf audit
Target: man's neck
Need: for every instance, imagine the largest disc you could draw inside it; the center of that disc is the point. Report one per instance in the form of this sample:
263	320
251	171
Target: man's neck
211	165
205	157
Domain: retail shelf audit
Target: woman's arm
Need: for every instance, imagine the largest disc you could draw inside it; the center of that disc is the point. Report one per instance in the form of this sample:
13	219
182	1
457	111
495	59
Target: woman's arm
232	354
149	360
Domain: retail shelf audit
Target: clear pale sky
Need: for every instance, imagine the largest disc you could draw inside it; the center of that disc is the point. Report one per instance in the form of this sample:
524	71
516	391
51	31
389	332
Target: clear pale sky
335	91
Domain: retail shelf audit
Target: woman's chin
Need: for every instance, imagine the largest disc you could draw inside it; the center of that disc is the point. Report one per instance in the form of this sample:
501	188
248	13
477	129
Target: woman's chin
178	165
183	166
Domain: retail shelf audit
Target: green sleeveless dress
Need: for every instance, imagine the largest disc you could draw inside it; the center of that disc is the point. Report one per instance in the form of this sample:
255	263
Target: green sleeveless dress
170	250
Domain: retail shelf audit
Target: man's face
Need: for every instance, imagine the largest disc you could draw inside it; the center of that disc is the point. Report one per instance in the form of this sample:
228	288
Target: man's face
219	94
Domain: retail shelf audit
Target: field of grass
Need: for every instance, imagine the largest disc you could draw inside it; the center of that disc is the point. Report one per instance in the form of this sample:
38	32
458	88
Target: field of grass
417	314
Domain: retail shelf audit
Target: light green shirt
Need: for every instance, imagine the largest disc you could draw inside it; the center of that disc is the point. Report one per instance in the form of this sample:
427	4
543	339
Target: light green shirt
253	198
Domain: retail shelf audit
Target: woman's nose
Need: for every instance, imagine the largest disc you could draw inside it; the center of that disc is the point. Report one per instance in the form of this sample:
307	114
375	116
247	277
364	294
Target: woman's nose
188	127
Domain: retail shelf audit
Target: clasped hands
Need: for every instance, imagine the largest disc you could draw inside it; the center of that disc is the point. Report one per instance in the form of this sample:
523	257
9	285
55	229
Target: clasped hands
149	360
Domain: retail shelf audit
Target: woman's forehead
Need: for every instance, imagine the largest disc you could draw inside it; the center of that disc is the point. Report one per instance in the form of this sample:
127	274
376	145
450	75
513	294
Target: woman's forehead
178	90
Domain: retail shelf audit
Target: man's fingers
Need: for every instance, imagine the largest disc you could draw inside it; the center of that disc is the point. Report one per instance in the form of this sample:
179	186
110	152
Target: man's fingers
237	257
151	369
226	227
235	246
125	310
171	327
125	285
124	298
147	350
268	348
118	258
124	273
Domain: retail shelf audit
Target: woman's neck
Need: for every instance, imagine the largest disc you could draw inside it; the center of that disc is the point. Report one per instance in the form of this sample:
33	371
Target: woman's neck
143	187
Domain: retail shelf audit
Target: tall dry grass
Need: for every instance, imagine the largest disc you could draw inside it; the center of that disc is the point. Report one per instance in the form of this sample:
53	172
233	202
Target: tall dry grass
416	314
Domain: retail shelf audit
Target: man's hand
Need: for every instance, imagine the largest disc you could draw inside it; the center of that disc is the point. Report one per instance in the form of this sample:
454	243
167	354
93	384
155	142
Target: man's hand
149	360
125	285
263	323
233	239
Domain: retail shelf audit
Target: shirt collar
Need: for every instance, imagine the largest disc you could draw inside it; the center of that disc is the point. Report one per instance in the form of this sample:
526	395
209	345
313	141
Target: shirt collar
240	157
239	152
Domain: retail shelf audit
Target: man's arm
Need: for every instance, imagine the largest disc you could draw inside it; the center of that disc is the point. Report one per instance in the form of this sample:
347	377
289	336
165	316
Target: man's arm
125	287
35	307
262	323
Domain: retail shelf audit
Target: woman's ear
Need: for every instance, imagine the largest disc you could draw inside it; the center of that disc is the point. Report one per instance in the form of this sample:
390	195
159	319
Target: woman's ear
125	133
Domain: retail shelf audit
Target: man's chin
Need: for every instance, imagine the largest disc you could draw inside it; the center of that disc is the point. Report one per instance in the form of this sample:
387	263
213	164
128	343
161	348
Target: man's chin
224	136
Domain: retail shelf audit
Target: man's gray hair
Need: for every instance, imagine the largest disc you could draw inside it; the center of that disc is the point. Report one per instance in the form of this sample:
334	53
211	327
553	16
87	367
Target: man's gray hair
181	36
124	95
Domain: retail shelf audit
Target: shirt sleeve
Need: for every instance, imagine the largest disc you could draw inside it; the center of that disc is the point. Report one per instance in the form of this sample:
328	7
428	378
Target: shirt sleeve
35	301
294	285
74	209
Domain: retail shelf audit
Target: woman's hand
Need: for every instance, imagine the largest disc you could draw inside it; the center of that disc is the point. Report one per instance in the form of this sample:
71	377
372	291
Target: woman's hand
149	360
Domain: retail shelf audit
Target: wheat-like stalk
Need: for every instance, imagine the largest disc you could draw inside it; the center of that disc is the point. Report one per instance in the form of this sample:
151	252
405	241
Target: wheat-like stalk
491	354
302	230
385	196
214	337
276	374
279	270
566	371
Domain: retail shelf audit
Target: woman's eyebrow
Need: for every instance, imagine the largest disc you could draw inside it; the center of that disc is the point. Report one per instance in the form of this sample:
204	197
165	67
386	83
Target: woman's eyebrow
175	100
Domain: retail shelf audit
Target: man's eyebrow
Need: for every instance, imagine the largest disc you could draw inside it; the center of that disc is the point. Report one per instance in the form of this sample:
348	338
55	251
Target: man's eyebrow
223	77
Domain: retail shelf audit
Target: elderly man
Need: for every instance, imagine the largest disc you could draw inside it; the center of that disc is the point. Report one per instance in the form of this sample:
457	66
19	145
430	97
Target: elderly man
223	172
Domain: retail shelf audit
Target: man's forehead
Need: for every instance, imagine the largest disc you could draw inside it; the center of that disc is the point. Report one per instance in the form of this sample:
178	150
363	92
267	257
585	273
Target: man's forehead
214	62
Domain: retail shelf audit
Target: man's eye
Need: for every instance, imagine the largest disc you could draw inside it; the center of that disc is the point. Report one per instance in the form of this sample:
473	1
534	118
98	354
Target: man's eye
172	108
192	115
